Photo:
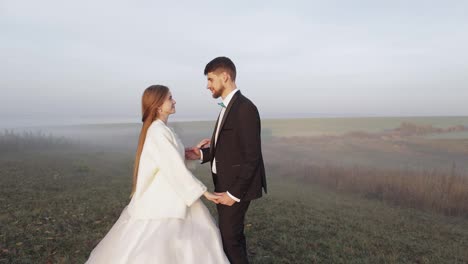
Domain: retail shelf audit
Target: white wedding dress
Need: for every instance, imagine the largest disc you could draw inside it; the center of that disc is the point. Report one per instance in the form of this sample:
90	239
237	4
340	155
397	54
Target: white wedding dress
165	221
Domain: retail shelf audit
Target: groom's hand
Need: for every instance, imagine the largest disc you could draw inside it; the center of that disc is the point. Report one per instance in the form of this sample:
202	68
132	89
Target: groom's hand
225	199
204	143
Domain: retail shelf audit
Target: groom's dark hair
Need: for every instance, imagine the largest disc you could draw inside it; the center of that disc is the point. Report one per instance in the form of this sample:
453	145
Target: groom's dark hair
222	63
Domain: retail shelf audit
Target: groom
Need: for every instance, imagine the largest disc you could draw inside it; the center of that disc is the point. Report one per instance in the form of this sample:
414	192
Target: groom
235	156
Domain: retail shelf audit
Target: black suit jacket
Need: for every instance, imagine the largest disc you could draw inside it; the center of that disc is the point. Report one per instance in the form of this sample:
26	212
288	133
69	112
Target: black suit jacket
238	151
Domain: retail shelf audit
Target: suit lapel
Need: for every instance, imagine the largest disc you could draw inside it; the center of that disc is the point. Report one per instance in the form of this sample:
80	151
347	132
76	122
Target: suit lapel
226	113
228	109
213	137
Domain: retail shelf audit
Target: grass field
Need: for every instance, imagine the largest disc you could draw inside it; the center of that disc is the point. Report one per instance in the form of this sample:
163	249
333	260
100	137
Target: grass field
59	197
56	206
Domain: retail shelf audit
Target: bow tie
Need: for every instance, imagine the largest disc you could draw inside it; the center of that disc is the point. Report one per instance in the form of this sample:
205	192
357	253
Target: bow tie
222	105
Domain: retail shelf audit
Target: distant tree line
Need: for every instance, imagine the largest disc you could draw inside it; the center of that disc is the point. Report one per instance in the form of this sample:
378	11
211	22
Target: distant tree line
11	141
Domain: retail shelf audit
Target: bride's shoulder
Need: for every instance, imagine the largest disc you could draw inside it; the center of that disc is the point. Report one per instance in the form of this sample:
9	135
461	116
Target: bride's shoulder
158	128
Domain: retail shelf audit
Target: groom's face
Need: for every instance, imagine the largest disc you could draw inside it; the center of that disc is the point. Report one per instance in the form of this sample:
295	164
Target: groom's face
215	84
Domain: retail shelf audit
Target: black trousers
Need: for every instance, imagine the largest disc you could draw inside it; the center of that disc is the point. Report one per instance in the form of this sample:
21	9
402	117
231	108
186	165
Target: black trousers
231	225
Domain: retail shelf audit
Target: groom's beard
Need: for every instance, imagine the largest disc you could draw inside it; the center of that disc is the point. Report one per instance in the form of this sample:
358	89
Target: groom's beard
217	94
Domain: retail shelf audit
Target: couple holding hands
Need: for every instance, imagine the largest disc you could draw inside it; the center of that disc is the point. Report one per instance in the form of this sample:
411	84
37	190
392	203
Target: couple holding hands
165	221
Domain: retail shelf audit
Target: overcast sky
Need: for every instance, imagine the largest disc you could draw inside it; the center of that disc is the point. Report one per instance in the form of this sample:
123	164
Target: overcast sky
93	59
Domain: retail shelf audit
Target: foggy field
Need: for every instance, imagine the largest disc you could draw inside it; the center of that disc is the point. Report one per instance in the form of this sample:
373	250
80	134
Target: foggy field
363	108
310	127
372	191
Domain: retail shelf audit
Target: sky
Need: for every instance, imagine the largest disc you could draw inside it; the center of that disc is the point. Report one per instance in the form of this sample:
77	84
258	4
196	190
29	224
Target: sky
92	60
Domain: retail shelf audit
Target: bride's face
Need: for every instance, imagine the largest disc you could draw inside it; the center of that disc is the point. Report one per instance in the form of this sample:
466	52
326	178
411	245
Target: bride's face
168	107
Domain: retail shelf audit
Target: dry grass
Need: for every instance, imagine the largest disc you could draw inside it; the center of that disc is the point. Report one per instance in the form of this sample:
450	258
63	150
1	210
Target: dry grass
438	191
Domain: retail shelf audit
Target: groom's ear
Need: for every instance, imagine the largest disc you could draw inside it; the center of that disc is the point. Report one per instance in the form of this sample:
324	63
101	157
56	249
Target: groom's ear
225	76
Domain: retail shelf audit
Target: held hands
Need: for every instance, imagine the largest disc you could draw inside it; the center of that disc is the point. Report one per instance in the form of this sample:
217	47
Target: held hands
212	197
193	153
224	198
219	198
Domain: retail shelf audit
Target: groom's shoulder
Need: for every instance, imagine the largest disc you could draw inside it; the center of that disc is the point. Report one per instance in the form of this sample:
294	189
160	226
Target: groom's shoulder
244	100
247	104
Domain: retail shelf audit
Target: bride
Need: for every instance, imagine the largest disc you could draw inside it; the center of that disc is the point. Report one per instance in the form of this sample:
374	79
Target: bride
165	221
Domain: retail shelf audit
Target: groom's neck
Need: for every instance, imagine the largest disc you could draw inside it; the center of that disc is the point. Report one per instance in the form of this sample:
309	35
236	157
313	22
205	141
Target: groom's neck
228	89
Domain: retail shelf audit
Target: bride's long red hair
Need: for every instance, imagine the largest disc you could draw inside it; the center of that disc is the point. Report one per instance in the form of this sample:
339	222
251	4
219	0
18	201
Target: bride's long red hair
153	97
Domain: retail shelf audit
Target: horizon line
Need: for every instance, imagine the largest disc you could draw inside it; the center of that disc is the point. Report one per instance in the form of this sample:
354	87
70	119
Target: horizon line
82	122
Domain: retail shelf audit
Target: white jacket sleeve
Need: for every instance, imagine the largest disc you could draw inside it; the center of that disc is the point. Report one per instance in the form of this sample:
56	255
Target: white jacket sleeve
172	164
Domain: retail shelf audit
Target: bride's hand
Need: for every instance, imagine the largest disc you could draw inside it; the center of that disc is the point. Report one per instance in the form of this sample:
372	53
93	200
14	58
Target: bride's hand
192	153
212	197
